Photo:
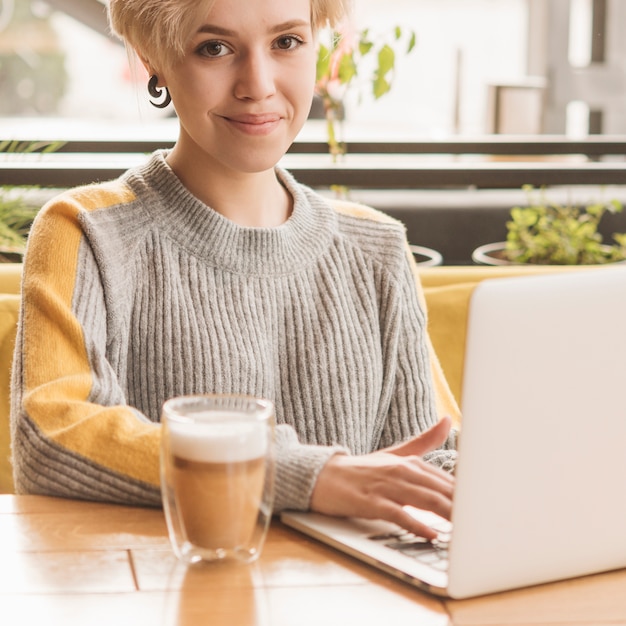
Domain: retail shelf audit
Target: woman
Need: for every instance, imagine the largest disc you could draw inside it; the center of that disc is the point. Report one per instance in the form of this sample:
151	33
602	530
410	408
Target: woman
209	269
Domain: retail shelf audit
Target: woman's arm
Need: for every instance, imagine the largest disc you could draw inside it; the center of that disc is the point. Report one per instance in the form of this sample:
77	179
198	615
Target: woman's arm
73	434
380	484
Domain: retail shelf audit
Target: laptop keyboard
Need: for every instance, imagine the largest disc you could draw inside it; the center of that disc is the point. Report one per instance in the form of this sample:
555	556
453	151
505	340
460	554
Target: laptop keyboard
433	553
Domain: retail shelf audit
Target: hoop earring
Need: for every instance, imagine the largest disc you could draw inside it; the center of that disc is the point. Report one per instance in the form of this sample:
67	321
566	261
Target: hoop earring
157	92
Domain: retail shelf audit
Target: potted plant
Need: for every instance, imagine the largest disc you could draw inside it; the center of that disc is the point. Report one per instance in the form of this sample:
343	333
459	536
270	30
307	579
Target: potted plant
546	233
340	65
342	62
17	208
16	217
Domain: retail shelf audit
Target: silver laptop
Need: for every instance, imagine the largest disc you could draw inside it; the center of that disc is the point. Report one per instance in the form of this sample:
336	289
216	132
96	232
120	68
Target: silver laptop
540	493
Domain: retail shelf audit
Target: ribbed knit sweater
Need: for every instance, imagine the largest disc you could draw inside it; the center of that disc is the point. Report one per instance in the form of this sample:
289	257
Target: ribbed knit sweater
134	291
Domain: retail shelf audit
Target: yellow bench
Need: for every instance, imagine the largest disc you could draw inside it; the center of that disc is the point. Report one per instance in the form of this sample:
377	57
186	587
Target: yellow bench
447	291
10	277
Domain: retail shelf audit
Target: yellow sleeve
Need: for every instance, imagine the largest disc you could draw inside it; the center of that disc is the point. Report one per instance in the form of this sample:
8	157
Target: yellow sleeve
64	442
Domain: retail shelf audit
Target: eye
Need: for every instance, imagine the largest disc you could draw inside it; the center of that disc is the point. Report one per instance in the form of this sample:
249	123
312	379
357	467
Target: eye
288	42
213	48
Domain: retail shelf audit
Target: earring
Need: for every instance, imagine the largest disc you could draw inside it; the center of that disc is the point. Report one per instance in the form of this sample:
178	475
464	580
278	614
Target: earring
157	92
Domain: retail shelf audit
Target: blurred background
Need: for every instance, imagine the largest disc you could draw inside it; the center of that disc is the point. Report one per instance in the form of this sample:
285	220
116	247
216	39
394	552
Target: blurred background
480	66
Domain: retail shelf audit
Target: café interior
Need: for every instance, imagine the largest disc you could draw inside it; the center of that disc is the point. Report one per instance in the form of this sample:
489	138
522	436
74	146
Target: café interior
553	119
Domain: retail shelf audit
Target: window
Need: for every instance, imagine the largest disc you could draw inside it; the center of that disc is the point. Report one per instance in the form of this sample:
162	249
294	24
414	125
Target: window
57	64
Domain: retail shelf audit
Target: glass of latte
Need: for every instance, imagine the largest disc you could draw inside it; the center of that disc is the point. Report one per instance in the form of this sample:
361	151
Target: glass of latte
217	475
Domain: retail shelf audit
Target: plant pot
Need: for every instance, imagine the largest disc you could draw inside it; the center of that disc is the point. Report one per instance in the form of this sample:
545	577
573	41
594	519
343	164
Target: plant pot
491	254
426	257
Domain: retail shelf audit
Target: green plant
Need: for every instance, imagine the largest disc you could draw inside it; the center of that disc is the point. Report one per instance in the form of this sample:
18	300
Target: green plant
14	146
340	64
16	216
16	213
552	234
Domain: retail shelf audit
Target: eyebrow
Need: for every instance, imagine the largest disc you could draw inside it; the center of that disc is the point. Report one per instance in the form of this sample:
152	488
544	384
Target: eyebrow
226	32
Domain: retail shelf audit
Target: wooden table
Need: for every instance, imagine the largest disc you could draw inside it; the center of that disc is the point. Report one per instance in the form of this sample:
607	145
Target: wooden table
67	562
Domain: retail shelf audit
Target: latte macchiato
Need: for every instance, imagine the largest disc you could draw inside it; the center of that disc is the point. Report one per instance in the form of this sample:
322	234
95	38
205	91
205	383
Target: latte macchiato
218	476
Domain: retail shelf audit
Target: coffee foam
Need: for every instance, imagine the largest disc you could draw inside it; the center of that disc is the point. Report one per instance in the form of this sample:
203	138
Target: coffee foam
228	441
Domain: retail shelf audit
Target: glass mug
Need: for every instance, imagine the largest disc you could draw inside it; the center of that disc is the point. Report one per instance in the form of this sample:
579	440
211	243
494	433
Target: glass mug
217	475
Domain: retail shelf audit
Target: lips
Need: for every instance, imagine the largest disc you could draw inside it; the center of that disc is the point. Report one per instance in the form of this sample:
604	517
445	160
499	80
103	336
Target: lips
256	119
255	124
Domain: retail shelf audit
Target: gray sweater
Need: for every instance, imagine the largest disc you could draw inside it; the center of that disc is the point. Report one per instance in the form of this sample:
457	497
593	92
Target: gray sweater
135	291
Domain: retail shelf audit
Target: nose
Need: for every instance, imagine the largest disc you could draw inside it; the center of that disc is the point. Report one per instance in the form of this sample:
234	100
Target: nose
256	79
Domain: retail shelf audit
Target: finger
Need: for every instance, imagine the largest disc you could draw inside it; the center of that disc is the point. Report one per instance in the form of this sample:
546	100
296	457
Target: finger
428	500
430	493
413	471
412	482
434	477
395	514
424	500
429	440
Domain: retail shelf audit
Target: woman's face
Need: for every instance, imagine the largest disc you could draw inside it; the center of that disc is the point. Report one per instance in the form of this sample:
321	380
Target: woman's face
244	87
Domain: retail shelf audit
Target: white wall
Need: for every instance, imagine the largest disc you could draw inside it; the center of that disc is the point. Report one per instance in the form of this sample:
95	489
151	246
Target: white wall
491	38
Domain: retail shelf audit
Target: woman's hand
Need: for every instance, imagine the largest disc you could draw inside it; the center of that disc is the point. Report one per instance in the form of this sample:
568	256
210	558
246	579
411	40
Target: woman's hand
378	485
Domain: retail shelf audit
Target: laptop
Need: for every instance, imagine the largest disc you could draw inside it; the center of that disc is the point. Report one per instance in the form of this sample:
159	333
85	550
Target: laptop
539	493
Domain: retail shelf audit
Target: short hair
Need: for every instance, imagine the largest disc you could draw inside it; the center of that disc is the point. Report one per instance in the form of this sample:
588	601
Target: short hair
159	29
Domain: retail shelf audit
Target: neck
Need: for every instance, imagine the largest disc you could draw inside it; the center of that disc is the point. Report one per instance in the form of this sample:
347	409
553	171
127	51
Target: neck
255	200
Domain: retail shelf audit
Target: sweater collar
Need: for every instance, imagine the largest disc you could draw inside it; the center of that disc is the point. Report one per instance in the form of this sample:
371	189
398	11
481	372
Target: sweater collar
206	234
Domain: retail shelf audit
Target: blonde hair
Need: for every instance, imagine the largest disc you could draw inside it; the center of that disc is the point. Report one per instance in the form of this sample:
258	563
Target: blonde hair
158	30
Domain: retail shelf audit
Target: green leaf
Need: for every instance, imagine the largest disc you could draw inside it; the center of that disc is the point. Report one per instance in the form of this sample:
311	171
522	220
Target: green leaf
323	63
412	42
386	60
380	86
365	47
53	146
347	69
27	147
523	218
596	210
